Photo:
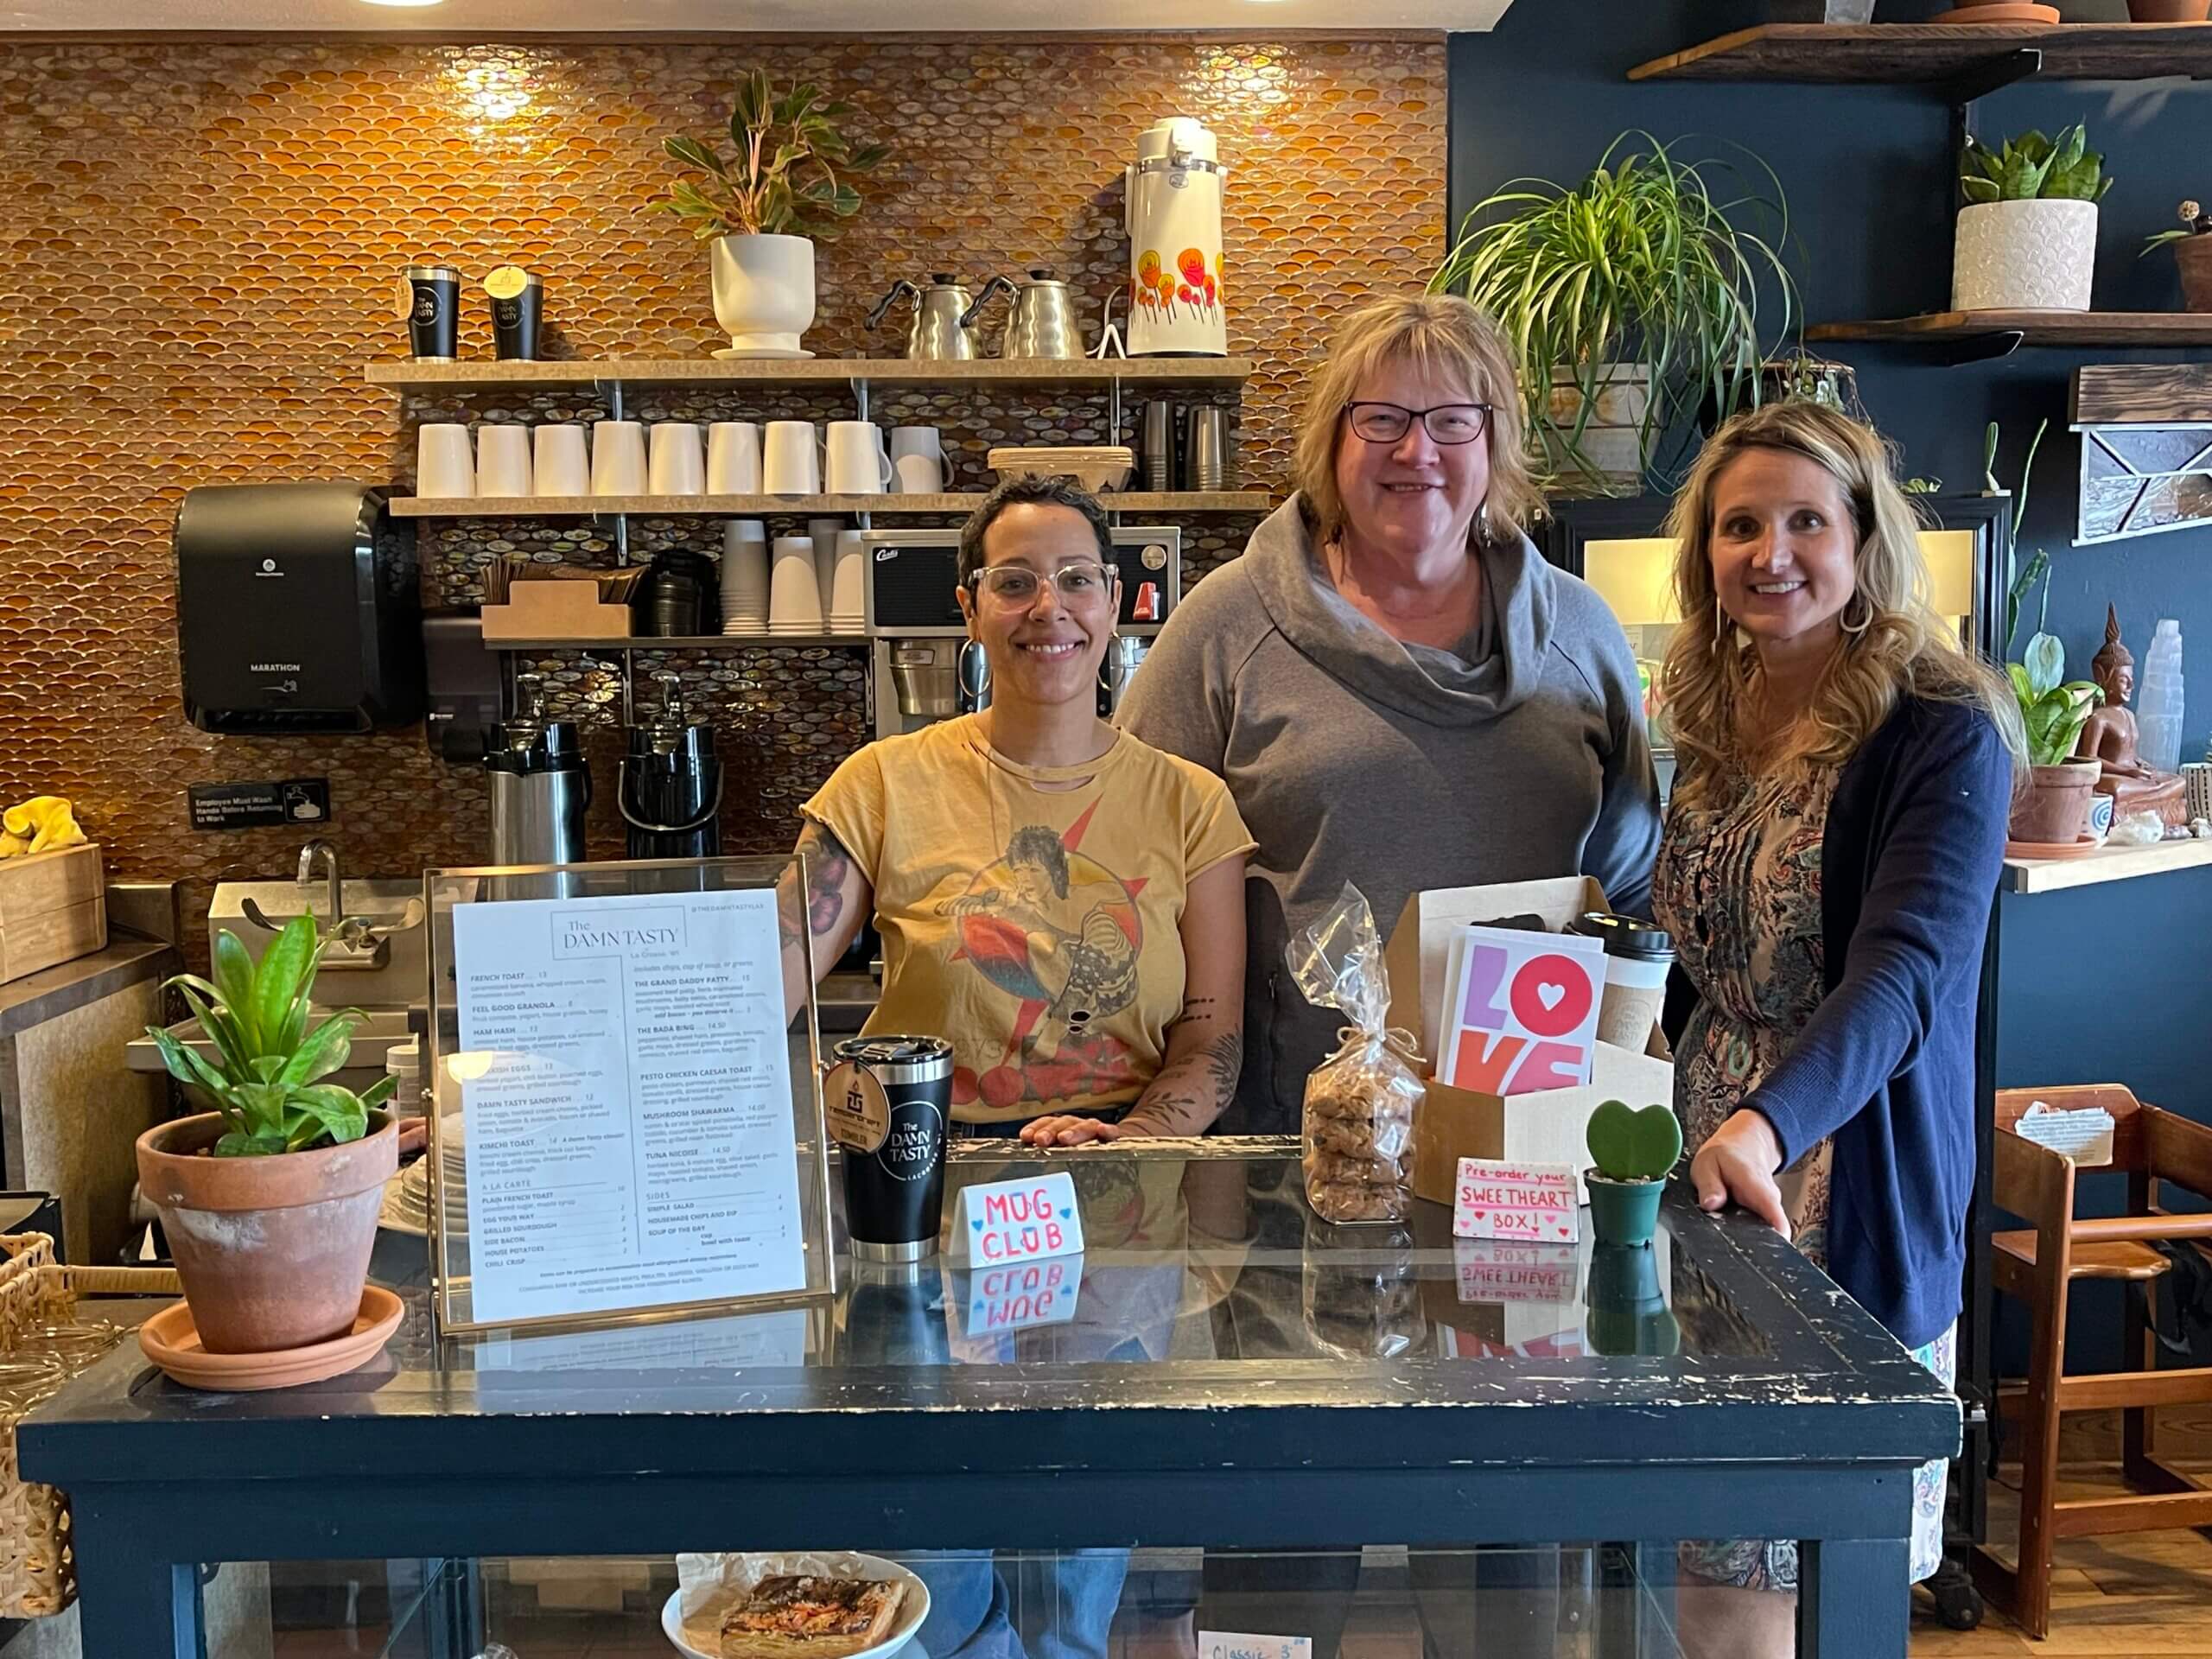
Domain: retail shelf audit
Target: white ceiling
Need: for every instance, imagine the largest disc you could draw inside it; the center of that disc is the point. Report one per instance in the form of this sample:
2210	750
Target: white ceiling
506	18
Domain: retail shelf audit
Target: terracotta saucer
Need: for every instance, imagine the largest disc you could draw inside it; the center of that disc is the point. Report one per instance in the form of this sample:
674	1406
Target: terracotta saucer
2086	845
170	1340
2005	11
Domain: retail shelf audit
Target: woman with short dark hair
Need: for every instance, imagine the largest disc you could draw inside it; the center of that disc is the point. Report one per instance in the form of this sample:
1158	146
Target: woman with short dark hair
1062	902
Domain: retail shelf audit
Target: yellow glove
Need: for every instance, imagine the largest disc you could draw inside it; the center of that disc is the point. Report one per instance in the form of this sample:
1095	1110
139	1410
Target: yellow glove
39	825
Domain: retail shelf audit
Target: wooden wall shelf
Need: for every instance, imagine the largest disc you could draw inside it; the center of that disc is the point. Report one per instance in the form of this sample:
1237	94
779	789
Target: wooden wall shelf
766	506
2105	864
1906	54
691	642
2117	394
2119	328
406	375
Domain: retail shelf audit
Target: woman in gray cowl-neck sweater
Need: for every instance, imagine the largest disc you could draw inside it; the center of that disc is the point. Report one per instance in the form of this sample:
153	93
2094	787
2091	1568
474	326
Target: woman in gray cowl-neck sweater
1398	689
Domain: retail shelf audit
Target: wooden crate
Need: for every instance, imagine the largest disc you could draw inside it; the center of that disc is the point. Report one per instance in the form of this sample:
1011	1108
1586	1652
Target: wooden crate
53	908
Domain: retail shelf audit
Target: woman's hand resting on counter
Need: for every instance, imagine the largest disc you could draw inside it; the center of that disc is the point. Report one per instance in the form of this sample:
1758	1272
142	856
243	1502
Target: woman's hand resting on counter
1737	1165
1066	1131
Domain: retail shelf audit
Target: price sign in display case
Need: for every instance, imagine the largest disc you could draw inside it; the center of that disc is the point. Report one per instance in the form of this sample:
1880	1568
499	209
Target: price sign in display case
628	1115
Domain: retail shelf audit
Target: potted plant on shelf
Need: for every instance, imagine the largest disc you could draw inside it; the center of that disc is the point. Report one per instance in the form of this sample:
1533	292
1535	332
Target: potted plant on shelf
1631	298
1820	11
789	187
2192	246
270	1201
1631	1153
2054	809
1998	12
2169	11
2027	237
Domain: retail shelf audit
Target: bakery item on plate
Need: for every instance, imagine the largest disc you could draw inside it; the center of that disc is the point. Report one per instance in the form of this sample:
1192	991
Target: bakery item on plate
795	1616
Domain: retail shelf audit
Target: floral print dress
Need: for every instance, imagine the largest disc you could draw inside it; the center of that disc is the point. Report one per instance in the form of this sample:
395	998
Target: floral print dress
1738	886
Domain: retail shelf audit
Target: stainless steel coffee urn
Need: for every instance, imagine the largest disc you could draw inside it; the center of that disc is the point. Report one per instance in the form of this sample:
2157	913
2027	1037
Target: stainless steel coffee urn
540	785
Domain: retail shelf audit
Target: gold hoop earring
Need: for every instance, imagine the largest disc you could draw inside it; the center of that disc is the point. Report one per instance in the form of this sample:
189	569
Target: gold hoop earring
1719	625
1866	622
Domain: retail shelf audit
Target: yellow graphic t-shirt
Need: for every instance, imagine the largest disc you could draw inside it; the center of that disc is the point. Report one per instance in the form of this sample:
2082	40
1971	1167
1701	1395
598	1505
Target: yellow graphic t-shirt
1030	915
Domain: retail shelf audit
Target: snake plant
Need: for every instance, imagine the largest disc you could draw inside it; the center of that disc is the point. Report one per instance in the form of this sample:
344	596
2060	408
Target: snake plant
269	1085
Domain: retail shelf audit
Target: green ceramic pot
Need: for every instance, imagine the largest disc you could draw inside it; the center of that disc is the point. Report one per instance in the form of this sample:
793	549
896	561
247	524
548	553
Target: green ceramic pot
1624	1212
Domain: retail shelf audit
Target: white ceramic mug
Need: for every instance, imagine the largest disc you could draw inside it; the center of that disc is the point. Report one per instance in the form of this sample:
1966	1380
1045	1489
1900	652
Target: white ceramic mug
790	459
794	596
679	460
917	461
858	465
734	457
442	466
562	465
503	460
618	458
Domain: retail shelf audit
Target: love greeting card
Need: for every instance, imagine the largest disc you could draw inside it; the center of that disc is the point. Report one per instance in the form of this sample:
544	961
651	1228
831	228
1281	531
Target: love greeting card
1521	1013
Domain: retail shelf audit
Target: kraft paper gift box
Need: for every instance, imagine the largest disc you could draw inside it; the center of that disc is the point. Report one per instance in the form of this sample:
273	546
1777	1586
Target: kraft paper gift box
1548	1127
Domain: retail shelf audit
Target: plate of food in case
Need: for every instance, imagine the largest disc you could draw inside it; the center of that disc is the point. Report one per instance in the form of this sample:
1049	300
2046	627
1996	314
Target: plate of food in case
822	1605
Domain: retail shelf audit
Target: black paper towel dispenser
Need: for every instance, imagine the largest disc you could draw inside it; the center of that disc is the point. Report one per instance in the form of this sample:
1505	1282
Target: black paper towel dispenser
298	609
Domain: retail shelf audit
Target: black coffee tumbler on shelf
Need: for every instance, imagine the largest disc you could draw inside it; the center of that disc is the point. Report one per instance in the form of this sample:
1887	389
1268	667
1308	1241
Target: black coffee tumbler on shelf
434	313
891	1114
518	298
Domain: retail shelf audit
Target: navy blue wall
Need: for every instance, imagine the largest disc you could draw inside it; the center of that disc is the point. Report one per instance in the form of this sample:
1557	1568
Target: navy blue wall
1867	174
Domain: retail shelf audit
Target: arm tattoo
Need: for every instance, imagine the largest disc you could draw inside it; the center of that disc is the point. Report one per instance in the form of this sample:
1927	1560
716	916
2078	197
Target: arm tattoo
1225	1061
828	865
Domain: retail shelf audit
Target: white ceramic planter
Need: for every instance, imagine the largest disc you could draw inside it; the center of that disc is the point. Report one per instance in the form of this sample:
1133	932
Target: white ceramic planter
764	290
2025	256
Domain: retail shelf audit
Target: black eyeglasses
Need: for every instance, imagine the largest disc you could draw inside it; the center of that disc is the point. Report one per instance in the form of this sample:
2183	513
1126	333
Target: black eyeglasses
1448	423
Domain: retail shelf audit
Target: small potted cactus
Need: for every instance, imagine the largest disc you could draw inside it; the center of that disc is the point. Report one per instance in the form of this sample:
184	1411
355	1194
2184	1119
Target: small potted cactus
2192	246
1631	1153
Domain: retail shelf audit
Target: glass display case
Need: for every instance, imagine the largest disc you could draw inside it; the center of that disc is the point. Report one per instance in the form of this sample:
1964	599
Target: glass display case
1225	1417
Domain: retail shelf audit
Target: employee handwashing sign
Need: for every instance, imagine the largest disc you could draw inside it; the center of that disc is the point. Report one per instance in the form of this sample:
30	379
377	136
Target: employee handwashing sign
1016	1221
1521	1012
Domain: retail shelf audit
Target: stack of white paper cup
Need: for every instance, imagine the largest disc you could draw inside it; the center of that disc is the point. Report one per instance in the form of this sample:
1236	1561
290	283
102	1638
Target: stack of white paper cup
794	594
824	532
503	460
846	605
444	467
561	466
745	576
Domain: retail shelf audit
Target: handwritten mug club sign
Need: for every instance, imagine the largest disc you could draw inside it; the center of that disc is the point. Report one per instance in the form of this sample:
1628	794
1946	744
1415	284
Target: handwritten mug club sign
1027	1220
1532	1203
1521	1012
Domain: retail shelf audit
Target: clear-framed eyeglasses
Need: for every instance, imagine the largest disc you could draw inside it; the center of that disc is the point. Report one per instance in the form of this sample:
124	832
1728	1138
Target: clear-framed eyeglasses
1080	581
1448	423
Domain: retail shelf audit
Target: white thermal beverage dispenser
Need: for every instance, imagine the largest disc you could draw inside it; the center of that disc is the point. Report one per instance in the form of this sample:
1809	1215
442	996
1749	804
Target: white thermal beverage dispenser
1174	210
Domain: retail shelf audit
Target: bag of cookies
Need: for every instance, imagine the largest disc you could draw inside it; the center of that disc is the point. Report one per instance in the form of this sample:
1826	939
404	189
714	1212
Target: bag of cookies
1359	1105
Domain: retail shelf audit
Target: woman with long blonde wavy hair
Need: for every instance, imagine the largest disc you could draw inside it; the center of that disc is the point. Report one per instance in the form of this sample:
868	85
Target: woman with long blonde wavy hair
1830	855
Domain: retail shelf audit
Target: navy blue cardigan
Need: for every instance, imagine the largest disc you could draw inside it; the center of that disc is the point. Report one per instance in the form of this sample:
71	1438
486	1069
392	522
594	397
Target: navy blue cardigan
1910	860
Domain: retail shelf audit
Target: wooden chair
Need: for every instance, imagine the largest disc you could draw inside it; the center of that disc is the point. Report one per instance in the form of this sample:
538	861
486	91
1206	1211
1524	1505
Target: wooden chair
2038	1265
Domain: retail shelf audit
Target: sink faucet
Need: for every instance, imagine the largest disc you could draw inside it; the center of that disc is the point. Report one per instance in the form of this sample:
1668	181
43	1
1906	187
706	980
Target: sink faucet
328	853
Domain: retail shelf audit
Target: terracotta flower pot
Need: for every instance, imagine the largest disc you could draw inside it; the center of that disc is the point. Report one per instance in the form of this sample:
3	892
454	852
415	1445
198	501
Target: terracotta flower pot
2169	11
273	1252
2194	255
2054	810
1999	11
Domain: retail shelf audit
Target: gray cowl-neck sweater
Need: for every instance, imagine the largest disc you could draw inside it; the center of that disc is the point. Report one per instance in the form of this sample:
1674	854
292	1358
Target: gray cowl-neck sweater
1398	769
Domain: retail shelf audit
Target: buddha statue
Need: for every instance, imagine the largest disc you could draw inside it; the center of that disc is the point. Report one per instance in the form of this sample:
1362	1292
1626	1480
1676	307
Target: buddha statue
2111	739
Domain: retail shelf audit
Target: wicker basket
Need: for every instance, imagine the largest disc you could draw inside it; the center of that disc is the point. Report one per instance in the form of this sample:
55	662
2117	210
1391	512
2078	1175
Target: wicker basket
38	1573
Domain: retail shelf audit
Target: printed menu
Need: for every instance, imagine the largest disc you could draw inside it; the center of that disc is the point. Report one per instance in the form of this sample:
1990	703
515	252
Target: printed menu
626	1099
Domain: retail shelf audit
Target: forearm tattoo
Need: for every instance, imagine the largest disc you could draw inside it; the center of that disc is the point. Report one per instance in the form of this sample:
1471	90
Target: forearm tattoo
829	866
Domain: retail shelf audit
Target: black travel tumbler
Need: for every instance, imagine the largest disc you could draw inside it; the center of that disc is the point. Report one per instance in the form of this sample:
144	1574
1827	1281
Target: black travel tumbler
892	1107
518	298
434	313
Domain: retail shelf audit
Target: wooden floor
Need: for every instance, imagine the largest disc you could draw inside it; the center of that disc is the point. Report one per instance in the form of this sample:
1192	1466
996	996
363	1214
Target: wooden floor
2131	1596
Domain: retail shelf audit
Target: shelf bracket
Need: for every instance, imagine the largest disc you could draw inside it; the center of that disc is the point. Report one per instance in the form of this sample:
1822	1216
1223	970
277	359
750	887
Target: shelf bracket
860	398
1978	83
1977	348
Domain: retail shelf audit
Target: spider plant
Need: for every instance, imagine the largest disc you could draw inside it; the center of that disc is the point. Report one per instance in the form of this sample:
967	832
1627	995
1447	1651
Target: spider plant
1651	262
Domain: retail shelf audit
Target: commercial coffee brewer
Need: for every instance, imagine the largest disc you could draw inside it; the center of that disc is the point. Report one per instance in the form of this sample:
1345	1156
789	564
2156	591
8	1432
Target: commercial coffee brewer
671	784
916	671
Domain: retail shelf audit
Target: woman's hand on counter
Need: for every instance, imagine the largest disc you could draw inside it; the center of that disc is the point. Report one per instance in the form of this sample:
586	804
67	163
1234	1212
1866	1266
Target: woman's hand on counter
1065	1131
1738	1166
